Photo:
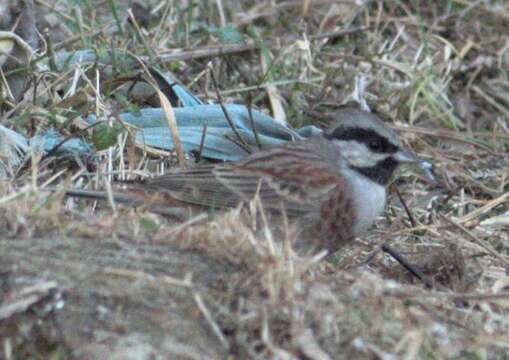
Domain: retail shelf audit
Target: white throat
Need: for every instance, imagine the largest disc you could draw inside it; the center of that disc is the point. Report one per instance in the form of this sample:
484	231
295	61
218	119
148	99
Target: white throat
369	200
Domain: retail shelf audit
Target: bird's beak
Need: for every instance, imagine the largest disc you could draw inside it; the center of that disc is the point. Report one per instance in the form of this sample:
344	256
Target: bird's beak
406	156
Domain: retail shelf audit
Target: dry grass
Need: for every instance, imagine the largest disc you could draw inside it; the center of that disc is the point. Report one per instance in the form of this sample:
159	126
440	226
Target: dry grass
439	71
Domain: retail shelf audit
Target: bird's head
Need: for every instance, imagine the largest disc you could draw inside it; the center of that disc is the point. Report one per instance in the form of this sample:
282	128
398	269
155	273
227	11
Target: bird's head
368	145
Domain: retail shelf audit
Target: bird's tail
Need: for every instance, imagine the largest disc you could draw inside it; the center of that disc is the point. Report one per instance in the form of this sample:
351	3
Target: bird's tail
134	199
128	200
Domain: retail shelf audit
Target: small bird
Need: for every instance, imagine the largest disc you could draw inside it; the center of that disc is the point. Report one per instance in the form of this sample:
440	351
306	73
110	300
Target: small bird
332	186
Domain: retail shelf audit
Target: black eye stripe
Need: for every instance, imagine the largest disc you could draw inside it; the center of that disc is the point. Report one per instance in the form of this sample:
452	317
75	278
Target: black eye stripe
364	136
354	134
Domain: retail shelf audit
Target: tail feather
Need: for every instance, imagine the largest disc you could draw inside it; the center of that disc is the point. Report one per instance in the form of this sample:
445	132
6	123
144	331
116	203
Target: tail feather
103	195
151	204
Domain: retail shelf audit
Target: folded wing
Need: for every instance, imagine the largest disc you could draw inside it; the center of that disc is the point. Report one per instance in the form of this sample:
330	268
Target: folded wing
282	177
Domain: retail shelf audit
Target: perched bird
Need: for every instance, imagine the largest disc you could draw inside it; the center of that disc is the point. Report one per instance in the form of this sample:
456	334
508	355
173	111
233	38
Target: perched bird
331	186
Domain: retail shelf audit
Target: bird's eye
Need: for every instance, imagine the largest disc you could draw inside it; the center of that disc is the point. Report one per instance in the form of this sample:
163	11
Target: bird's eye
375	145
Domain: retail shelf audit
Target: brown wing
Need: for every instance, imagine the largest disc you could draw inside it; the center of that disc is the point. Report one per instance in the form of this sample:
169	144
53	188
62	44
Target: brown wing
292	176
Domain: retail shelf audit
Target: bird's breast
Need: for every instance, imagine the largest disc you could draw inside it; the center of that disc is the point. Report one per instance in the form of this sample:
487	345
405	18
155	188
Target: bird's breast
369	202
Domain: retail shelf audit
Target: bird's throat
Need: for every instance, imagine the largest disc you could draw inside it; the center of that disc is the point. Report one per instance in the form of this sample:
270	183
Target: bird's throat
381	172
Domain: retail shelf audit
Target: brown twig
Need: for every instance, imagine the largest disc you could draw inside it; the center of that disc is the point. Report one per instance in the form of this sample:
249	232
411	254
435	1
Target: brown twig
407	210
452	135
202	143
409	267
241	140
252	122
474	239
213	51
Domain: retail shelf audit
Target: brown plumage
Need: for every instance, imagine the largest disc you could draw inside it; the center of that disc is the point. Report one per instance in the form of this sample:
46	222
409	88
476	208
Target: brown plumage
332	186
296	178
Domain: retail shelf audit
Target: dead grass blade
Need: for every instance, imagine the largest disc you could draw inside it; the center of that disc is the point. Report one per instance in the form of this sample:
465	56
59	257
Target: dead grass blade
172	124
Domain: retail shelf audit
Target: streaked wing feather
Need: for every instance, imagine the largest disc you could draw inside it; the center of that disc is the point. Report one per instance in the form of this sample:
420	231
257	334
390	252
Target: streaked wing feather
273	175
197	186
247	184
222	187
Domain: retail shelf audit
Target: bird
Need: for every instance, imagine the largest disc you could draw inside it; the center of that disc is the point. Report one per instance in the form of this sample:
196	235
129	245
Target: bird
332	186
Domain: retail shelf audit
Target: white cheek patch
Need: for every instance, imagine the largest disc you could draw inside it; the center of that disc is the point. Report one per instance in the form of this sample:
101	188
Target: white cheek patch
358	154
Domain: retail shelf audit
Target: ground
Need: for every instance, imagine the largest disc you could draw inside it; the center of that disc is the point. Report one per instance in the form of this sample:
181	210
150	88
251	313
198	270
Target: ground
82	280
